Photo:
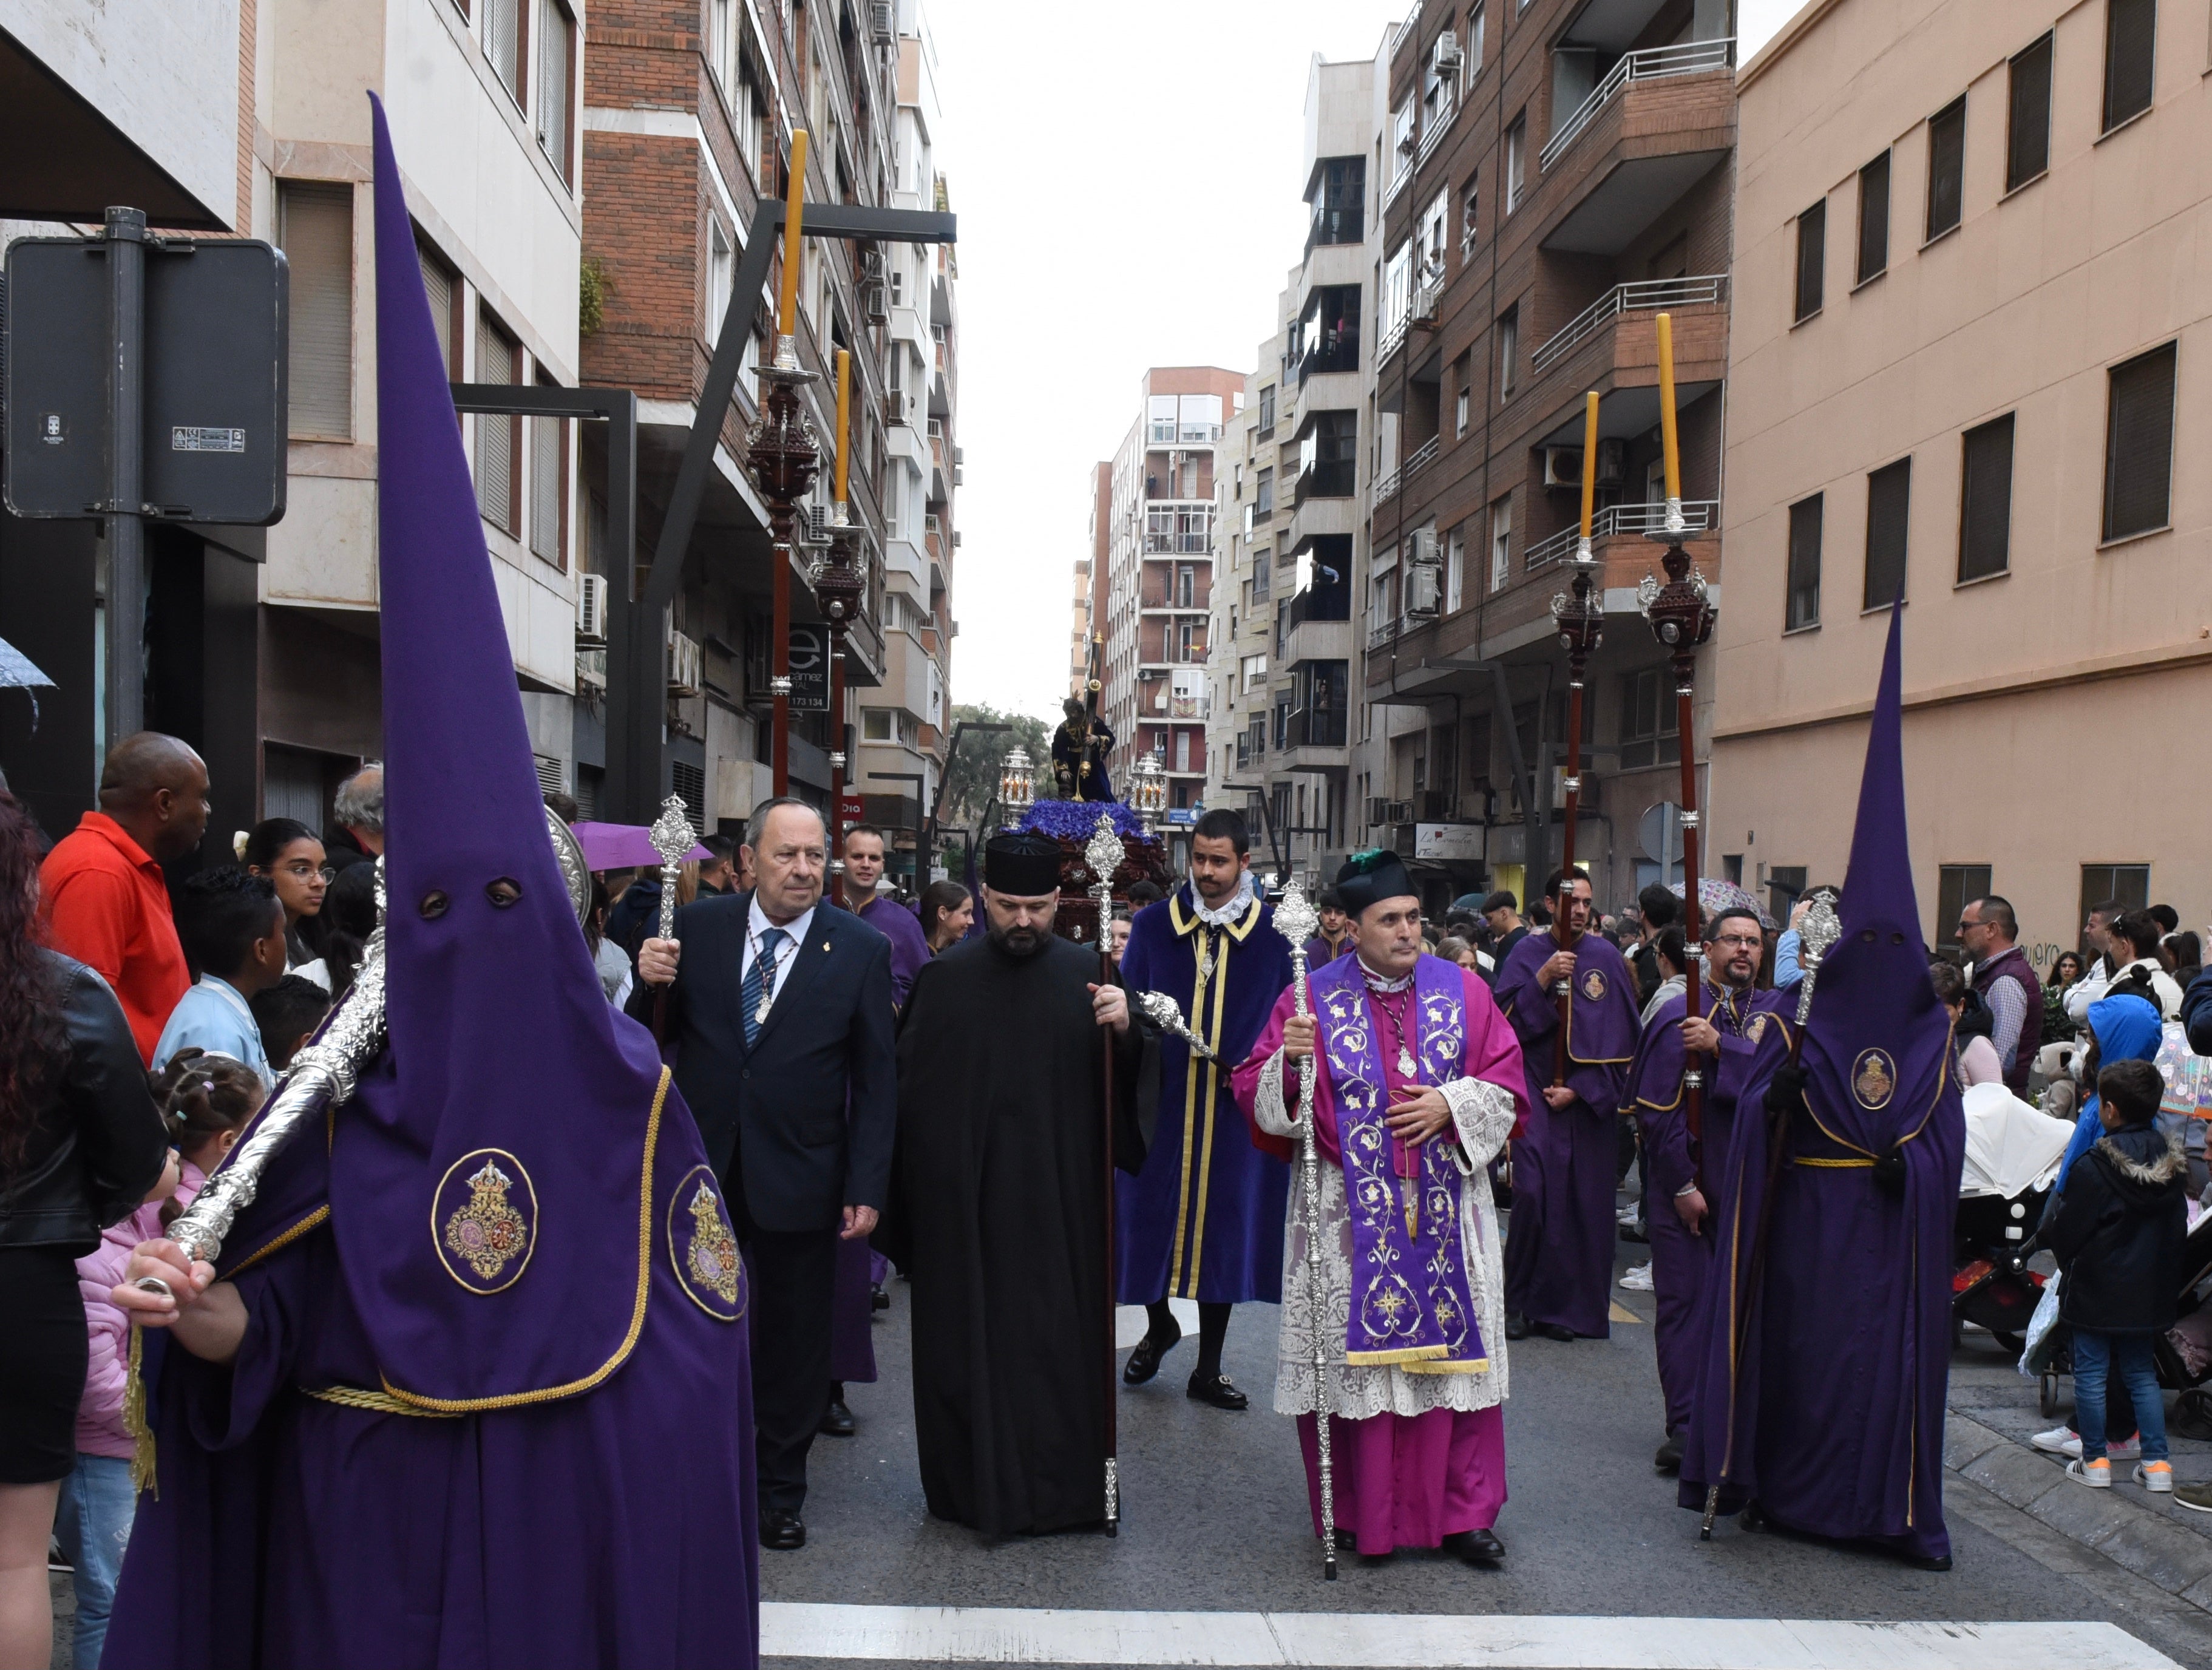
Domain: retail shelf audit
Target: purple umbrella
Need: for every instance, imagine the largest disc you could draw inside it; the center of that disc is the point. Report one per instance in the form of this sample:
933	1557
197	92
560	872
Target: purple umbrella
621	846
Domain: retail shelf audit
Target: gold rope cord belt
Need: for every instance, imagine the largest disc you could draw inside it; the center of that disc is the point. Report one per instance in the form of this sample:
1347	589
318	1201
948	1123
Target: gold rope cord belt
1832	1165
382	1403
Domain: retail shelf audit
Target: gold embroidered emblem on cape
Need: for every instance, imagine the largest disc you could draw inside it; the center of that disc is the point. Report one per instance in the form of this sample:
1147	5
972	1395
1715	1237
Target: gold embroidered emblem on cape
1874	1078
714	1256
488	1233
1757	1029
1593	985
701	1247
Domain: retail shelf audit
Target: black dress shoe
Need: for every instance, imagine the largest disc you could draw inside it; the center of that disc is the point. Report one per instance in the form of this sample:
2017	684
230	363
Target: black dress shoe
1145	1361
1669	1458
782	1530
1475	1547
878	1299
1553	1331
1928	1562
1346	1540
837	1420
1218	1391
1516	1326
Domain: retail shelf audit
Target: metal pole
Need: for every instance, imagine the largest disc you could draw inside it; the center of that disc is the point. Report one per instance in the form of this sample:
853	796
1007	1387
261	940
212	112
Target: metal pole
126	533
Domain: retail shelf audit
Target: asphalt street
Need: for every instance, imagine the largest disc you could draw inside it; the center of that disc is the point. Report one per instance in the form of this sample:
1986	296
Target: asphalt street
1215	1523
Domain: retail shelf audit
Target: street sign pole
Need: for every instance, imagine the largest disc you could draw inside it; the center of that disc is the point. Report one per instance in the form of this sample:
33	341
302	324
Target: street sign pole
125	532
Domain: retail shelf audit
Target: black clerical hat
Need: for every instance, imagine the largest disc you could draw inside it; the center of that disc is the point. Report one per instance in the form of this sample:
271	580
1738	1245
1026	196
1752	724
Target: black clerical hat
1022	865
1370	877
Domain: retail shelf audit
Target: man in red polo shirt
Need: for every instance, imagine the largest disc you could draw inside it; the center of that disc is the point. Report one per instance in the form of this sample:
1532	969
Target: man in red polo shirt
102	896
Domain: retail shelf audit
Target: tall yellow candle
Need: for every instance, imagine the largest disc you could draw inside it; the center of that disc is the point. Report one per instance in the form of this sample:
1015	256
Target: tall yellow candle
1590	462
844	419
787	308
1673	452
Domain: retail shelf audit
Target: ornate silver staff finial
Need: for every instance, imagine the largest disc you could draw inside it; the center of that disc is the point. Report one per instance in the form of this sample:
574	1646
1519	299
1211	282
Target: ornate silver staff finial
1816	935
1166	1015
1104	852
672	837
1295	920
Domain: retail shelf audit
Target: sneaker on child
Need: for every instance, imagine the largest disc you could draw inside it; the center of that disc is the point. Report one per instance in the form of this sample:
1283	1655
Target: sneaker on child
2156	1477
2097	1475
2065	1441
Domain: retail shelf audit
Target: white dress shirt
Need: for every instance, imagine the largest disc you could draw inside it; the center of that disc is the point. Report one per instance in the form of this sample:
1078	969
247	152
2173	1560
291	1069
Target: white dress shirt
757	929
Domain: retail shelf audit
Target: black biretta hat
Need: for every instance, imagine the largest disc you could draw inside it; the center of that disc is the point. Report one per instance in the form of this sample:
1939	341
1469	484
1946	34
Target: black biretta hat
1370	877
1022	866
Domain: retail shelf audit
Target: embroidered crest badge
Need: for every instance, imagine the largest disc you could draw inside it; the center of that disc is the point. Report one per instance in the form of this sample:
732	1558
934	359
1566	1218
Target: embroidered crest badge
1873	1079
484	1219
1757	1029
1593	985
703	1248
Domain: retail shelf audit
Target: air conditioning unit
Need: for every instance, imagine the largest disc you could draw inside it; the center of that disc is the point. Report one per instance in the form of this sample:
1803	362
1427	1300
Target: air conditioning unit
1612	461
1426	296
1563	466
591	673
591	609
1443	56
1381	812
877	301
816	530
683	665
1409	142
956	539
883	22
1424	591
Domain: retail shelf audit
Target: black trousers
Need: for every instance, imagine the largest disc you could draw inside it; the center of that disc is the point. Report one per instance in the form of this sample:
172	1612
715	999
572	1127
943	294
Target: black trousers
794	1278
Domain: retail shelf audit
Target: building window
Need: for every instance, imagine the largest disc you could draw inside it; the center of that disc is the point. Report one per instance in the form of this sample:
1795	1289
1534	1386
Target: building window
441	289
1267	409
1947	166
1461	416
1476	20
1401	143
876	725
2127	885
1501	543
1263	490
1455	573
1337	207
2130	40
2028	134
549	490
1804	604
1986	500
1516	157
556	58
314	228
1874	217
721	266
1329	456
498	437
1650	719
503	43
1470	221
1159	419
2139	444
1509	351
1889	504
1811	250
1957	886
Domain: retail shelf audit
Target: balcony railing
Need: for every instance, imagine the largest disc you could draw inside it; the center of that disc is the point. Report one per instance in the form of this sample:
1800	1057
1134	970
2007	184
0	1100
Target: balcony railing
1628	299
1699	513
1423	456
1688	57
1382	631
1322	727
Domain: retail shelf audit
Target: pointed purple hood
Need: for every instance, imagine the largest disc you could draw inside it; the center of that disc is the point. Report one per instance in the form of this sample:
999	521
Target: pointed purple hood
491	1184
1877	1050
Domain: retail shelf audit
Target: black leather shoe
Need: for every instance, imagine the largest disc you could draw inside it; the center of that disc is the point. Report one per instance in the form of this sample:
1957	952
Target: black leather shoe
1516	1326
1219	1391
1145	1361
781	1530
837	1420
1475	1547
1669	1458
1928	1562
878	1299
1553	1331
1347	1541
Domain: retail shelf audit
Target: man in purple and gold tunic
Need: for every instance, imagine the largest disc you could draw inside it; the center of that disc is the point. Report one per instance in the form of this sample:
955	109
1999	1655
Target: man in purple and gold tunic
1558	1252
1420	1083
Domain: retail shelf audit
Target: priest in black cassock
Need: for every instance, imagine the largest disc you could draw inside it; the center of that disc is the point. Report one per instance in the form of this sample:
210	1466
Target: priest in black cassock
998	1206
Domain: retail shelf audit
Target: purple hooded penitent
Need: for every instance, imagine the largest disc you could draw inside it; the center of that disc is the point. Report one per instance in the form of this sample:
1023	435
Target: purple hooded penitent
1830	1413
492	1405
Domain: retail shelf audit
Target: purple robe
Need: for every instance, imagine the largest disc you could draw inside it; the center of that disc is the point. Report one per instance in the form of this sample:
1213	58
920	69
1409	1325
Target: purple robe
1319	954
492	1403
1680	1259
1559	1249
1826	1357
1204	1219
909	947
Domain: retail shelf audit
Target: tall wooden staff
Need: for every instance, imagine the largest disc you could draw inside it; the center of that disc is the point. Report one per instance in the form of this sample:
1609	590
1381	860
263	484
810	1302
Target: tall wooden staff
1296	920
837	593
1104	854
1682	616
1582	629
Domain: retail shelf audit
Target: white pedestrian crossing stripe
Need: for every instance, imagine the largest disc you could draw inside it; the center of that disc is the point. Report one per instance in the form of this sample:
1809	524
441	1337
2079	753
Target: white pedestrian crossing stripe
1353	1641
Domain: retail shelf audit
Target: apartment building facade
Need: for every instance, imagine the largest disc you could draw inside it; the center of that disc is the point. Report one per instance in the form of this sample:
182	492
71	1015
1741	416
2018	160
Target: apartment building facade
1969	351
1158	577
1551	176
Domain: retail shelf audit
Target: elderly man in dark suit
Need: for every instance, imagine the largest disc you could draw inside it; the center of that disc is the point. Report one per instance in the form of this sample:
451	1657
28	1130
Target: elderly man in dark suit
780	1012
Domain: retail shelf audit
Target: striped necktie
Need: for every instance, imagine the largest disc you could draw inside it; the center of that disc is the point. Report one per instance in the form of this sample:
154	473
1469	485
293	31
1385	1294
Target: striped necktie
760	983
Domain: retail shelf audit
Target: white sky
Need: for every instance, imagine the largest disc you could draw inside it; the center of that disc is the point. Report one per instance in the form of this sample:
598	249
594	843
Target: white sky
1127	186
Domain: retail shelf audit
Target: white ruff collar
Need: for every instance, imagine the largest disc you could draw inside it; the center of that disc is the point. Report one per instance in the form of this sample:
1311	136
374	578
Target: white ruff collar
1229	915
1376	983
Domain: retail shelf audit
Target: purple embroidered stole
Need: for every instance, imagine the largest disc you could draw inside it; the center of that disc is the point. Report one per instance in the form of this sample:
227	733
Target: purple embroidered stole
1412	1306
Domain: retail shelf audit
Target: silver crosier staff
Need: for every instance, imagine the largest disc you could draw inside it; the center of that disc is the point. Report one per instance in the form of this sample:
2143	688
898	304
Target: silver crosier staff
1297	920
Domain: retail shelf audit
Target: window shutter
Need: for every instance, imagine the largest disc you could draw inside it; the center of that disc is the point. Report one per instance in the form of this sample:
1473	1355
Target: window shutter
551	774
689	783
1804	604
438	286
504	41
1947	166
1874	217
314	228
548	459
1985	501
2027	144
1889	501
555	38
495	435
1812	251
2130	40
2139	444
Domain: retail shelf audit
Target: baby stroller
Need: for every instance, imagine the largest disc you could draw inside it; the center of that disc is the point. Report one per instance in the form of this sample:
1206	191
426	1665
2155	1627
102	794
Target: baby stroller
2012	1159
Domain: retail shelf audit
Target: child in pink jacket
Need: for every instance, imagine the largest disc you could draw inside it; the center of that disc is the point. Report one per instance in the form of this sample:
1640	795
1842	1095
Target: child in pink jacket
207	1100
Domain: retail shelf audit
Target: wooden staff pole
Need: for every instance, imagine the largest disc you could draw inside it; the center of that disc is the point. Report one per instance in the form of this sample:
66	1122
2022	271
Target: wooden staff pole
1581	628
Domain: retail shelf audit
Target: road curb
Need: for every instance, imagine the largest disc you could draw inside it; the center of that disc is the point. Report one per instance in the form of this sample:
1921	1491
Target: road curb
2126	1531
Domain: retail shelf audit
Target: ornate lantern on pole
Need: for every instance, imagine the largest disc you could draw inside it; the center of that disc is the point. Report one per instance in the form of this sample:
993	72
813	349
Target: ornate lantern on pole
1148	792
1682	616
1579	614
1017	787
784	455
